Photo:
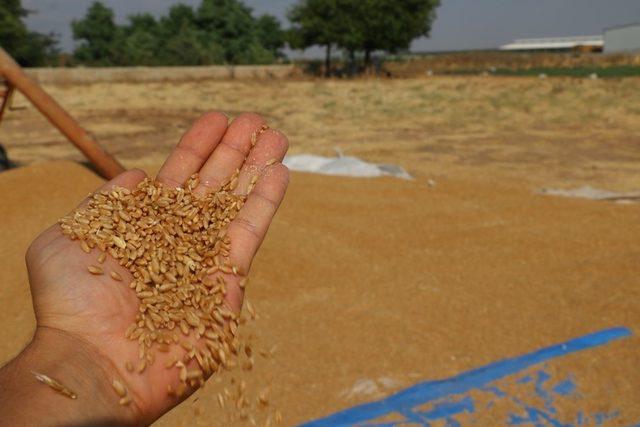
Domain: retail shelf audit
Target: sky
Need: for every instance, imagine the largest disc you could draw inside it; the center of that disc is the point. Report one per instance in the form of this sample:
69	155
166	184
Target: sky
460	24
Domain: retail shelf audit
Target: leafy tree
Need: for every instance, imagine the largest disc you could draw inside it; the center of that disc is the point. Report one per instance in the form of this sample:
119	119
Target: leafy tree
101	38
270	34
256	54
227	23
141	44
388	25
360	25
316	22
187	48
182	42
179	15
140	48
12	29
142	22
27	47
219	31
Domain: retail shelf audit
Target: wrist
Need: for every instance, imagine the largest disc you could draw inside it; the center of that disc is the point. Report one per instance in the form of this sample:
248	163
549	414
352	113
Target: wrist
75	364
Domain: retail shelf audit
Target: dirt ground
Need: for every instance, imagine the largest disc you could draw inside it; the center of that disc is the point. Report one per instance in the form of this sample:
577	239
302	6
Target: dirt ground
368	286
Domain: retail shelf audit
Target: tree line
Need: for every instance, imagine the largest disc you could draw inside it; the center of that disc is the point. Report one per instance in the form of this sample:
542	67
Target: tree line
363	26
224	32
216	32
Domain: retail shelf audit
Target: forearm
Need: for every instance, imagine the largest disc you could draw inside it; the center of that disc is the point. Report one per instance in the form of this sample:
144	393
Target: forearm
26	401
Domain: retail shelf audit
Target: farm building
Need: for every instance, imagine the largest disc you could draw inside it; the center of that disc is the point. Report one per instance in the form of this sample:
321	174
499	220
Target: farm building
622	38
579	43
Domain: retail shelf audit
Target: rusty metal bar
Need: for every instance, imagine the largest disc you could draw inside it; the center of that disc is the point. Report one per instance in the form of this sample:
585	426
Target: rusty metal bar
5	98
106	164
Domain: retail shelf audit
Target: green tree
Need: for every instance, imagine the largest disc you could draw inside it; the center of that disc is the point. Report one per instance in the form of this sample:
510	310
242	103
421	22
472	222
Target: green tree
270	35
186	47
316	22
360	25
141	44
27	47
183	42
179	15
101	40
227	23
388	25
219	31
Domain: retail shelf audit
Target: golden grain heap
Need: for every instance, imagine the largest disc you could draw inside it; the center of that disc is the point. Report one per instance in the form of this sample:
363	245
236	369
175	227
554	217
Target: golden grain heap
176	248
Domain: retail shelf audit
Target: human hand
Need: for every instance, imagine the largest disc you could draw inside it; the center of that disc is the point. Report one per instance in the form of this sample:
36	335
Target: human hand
82	318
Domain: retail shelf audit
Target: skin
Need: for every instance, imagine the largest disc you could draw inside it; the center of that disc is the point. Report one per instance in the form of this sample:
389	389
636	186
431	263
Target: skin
82	318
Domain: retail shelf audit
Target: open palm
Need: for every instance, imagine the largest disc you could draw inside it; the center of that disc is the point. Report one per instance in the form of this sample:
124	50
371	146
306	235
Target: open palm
97	310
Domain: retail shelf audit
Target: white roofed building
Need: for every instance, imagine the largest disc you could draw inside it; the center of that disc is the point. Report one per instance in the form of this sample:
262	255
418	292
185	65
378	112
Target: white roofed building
623	38
580	43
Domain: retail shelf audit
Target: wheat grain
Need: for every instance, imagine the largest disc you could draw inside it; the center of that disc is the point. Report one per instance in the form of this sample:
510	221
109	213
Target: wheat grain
248	365
262	398
180	389
119	242
115	276
93	269
120	389
55	385
240	402
194	374
251	310
85	246
171	362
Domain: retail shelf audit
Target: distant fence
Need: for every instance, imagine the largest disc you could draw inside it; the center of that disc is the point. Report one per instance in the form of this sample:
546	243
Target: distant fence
161	74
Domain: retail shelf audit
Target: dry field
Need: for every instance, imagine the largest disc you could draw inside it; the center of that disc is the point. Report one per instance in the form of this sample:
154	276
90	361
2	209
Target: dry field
478	61
368	286
554	132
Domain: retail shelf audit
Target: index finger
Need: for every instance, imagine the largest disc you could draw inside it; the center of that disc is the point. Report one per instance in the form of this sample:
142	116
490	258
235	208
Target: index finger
194	149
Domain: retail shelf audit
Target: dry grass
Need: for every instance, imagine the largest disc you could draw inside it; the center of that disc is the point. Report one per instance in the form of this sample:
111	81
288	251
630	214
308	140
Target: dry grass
560	132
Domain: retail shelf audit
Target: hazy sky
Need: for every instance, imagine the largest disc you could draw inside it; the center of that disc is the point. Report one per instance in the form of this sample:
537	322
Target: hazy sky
461	24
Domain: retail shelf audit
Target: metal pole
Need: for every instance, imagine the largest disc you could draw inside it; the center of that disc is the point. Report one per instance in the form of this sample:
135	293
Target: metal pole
106	165
5	98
